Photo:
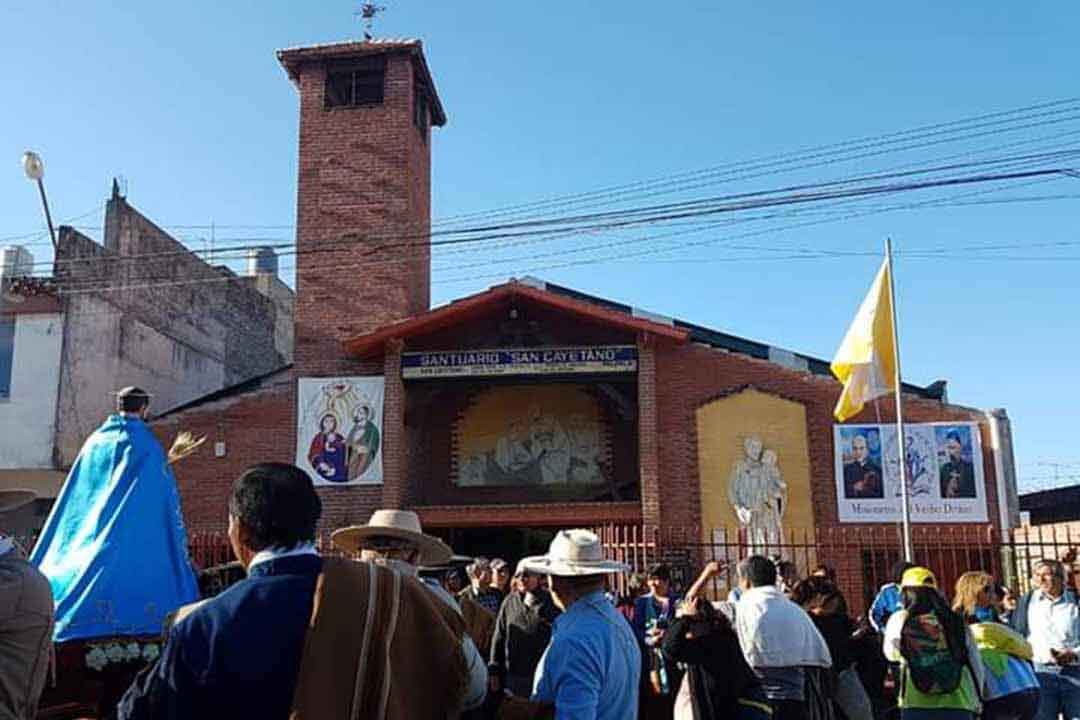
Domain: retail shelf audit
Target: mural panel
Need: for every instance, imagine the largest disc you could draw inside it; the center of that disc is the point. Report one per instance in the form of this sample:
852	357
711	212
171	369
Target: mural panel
339	429
521	436
754	467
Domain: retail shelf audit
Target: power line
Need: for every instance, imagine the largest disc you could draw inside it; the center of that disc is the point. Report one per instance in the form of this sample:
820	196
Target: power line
815	151
803	193
399	262
801	197
997	119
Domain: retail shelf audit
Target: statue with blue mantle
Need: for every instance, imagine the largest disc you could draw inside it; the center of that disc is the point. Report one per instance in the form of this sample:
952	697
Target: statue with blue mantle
115	552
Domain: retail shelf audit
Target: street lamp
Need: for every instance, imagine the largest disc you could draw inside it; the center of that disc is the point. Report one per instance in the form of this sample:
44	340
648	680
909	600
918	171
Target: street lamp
35	170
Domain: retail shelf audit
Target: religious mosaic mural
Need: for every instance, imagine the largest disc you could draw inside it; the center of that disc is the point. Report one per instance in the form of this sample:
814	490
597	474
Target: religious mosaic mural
531	435
339	429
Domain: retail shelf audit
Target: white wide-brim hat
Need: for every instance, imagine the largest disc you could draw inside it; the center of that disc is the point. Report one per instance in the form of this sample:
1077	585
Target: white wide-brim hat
573	553
398	524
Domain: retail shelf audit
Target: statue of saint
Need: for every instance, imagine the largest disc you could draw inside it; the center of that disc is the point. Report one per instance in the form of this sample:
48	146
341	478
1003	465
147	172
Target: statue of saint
759	495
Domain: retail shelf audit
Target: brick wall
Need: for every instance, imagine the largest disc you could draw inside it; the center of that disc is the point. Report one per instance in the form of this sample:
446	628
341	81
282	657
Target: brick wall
690	376
363	215
256	426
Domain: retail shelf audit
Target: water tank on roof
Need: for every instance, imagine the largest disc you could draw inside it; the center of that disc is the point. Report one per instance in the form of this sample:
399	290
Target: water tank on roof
261	261
16	261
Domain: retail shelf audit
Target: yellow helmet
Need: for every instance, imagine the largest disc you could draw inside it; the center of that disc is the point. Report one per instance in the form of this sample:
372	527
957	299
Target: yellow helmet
918	577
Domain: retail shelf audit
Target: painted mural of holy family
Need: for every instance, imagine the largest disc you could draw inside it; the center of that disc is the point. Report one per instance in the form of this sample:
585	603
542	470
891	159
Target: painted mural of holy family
339	436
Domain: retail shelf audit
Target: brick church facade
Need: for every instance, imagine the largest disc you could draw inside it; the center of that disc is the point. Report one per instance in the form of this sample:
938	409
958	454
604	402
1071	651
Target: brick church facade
665	429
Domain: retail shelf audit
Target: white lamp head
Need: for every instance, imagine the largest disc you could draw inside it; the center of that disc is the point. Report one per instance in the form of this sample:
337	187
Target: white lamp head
33	165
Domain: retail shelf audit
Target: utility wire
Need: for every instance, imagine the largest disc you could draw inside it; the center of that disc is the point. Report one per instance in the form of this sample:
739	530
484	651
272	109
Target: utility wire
802	193
402	262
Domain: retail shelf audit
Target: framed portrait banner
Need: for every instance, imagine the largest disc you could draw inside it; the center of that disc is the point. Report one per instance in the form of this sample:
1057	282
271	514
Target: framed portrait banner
944	473
339	430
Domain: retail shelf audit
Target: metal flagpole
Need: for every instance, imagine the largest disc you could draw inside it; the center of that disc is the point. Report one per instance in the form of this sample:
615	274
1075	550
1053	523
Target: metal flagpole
901	445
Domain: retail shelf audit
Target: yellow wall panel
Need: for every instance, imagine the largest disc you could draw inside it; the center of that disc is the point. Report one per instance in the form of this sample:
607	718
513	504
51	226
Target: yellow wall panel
723	426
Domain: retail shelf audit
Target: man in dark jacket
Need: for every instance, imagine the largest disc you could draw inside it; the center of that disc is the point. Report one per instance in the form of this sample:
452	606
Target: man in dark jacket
522	631
238	655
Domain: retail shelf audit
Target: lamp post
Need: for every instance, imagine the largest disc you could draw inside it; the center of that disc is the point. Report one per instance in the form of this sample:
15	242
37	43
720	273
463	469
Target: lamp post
35	170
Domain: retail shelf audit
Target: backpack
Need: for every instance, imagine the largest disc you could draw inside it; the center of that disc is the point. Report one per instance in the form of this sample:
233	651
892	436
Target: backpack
935	667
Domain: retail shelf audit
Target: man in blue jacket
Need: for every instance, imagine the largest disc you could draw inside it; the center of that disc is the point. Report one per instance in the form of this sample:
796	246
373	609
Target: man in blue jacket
888	598
238	655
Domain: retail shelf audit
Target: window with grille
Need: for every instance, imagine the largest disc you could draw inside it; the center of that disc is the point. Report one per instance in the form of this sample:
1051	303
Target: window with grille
356	84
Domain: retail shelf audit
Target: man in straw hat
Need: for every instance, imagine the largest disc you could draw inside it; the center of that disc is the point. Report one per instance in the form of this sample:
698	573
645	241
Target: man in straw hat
26	621
114	546
395	539
592	667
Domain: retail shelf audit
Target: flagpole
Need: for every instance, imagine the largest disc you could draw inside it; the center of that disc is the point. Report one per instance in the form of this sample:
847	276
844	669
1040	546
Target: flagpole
901	445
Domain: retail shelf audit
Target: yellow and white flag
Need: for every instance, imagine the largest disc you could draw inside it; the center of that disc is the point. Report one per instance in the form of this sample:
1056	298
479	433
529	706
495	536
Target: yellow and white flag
866	360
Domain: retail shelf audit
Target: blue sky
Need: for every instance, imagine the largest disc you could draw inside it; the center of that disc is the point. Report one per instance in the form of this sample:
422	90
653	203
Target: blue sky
187	103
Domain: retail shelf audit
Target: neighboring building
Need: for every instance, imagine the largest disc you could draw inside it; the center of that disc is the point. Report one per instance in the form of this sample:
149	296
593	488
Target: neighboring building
1049	507
496	433
141	310
31	333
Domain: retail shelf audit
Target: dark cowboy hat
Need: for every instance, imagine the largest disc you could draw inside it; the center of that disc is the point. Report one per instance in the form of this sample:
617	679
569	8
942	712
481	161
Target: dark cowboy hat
455	561
13	499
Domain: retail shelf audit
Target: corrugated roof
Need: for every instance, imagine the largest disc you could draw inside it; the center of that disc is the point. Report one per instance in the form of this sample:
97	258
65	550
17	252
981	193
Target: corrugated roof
249	385
731	343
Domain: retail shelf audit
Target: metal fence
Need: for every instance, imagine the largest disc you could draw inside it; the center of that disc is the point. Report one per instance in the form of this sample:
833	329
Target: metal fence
860	556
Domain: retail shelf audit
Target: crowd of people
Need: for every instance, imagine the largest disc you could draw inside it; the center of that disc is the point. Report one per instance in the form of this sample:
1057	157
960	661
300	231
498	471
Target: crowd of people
396	626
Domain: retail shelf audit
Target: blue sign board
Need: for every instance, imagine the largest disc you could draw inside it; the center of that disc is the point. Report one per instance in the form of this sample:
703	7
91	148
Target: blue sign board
520	361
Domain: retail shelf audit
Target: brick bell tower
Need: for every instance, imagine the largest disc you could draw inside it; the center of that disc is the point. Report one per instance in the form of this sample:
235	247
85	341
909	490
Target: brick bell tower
363	217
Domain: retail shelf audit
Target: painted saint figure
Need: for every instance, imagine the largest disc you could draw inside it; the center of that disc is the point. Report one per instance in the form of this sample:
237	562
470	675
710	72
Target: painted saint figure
327	452
957	474
584	451
551	445
862	476
758	494
513	451
362	443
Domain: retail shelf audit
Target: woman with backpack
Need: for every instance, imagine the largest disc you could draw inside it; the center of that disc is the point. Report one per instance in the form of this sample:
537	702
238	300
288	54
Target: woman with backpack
941	673
1012	689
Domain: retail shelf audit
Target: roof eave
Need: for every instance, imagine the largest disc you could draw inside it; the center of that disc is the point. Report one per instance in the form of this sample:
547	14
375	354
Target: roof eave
372	344
293	58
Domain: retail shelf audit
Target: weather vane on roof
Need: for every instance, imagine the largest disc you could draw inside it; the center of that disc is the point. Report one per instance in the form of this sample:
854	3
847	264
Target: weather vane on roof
368	11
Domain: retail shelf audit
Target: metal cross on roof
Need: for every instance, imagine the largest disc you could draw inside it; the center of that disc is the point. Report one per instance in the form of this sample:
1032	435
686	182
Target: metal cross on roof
368	11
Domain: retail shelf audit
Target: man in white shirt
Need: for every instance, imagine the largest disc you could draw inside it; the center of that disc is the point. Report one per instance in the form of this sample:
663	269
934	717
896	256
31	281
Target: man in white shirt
1049	618
778	638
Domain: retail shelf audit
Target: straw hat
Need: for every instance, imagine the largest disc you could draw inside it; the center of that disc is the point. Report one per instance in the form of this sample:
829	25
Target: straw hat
573	553
397	524
14	499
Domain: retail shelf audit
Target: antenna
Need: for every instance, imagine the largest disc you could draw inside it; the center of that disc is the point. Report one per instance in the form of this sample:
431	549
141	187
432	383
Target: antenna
368	11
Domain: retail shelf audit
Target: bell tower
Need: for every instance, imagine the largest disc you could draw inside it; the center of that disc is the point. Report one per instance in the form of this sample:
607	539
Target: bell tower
363	219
